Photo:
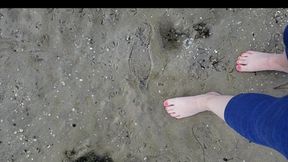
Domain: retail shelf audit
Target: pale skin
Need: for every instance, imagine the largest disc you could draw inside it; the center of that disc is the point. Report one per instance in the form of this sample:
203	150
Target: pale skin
249	61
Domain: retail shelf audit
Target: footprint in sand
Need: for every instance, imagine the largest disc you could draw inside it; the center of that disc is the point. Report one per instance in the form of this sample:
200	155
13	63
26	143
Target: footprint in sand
139	58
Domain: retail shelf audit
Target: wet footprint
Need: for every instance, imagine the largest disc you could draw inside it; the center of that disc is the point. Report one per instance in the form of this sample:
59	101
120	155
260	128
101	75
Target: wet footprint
70	156
139	58
207	139
202	30
92	157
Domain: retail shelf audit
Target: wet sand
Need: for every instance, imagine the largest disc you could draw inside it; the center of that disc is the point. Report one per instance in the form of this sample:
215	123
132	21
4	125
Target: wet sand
89	83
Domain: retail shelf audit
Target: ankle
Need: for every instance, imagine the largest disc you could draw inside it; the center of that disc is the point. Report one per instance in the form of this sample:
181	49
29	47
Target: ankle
208	102
278	62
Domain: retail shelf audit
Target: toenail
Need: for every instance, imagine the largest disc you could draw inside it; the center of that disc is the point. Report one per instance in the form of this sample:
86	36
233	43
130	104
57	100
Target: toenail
165	103
238	67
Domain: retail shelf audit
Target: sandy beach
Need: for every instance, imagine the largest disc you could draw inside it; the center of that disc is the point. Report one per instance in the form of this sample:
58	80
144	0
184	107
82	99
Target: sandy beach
79	85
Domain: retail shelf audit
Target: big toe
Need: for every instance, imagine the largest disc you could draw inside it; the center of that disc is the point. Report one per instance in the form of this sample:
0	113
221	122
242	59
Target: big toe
241	68
168	102
165	103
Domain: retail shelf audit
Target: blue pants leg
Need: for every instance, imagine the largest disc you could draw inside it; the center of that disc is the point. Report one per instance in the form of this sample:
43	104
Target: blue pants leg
260	118
285	40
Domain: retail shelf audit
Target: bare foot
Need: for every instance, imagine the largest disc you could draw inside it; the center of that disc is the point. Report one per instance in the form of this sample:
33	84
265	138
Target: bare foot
182	107
252	61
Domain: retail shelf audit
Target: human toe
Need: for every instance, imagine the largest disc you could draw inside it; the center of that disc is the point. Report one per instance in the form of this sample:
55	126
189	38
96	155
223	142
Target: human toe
168	102
246	54
239	67
242	61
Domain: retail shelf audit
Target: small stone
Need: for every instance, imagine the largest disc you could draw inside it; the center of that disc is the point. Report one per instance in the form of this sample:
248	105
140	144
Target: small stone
63	83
